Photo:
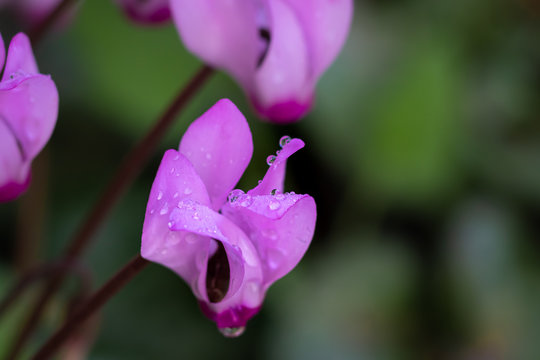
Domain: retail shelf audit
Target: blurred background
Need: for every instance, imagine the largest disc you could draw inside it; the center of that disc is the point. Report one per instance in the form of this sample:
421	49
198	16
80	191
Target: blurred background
423	154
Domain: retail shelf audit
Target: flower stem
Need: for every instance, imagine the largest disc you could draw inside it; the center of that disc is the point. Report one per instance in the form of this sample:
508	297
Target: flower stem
44	272
123	177
43	27
95	302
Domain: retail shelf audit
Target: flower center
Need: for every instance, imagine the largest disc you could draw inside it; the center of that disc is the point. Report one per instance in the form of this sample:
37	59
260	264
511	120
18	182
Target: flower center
264	36
218	274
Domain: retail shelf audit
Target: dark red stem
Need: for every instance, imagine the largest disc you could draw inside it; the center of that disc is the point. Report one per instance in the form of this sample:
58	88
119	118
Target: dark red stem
124	176
94	303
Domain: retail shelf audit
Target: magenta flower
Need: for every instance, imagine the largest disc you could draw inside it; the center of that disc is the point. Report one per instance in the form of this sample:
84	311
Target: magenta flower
28	111
146	11
33	12
229	246
276	50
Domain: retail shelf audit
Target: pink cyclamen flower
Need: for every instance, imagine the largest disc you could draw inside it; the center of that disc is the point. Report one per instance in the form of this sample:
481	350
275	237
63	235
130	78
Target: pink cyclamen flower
146	11
28	112
229	246
275	49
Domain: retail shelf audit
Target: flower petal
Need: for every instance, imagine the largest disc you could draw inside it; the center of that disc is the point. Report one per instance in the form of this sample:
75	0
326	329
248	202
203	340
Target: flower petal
326	24
275	176
29	104
176	180
223	34
14	172
281	226
149	11
219	145
20	57
283	88
202	220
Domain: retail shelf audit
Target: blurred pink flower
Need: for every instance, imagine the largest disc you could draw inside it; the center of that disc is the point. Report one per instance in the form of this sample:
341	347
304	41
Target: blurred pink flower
276	50
28	112
229	246
33	12
146	11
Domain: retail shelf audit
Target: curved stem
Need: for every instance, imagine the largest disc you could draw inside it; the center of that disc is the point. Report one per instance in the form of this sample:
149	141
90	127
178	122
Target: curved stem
40	273
36	34
124	176
94	303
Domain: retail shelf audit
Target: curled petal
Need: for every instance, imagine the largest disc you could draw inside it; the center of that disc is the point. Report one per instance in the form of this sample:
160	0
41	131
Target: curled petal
326	24
147	11
20	58
222	33
176	180
219	145
201	220
283	86
275	176
281	226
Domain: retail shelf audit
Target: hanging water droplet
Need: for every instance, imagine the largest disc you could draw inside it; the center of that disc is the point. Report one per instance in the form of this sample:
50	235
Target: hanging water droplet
232	332
259	182
284	140
160	195
273	192
233	195
270	159
274	205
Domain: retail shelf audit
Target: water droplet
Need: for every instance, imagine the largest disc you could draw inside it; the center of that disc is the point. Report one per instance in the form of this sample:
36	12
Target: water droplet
164	210
160	195
233	195
284	140
292	193
274	205
152	211
232	332
270	159
259	182
196	216
172	170
187	191
280	197
176	157
246	201
273	192
170	224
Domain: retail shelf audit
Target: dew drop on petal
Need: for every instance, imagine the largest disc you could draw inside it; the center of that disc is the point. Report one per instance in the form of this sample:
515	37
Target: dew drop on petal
273	192
284	140
196	216
270	159
270	234
160	195
274	258
163	211
175	195
259	182
232	332
208	156
172	170
233	195
274	205
187	191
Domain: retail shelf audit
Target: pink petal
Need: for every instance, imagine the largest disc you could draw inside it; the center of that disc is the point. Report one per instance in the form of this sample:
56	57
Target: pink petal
275	176
176	180
326	24
281	227
223	34
20	59
201	220
29	103
219	145
148	11
283	87
14	171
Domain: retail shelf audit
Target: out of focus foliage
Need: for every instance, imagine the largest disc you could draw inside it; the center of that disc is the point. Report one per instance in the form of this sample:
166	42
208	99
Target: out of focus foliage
423	153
